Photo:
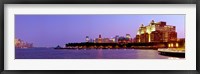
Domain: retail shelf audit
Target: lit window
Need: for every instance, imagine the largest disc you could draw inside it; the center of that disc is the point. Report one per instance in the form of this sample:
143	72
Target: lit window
169	45
172	45
177	45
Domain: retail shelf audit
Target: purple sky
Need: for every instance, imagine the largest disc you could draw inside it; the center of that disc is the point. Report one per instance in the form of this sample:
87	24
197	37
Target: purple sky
53	30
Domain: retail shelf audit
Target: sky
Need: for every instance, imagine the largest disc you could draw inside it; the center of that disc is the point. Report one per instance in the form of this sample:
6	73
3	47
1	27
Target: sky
53	30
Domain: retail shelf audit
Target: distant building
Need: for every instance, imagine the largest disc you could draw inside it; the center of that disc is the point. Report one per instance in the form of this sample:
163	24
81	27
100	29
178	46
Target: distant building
105	40
99	35
123	40
116	38
21	44
112	40
156	32
128	36
98	40
87	38
91	41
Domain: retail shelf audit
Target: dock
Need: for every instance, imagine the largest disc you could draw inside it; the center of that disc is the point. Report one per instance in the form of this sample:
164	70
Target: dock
174	52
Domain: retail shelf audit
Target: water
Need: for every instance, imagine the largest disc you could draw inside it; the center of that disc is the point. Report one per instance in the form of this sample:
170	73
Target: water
50	53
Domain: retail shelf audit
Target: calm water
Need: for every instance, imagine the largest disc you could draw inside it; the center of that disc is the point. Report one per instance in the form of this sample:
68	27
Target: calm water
50	53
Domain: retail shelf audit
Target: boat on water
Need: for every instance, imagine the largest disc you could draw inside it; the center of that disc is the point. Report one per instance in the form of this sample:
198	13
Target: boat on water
176	52
58	47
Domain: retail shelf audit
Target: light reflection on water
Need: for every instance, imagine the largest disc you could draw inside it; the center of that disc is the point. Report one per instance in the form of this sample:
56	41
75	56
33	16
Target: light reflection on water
173	58
49	53
99	54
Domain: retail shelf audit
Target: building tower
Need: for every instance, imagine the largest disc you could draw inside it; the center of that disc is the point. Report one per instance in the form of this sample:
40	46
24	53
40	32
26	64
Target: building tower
99	35
99	39
116	38
128	36
87	39
156	32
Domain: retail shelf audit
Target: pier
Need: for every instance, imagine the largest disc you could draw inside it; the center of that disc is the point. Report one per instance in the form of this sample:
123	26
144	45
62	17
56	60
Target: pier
178	52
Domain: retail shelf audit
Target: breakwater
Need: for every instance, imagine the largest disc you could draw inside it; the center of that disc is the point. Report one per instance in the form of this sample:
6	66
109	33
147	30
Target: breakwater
149	45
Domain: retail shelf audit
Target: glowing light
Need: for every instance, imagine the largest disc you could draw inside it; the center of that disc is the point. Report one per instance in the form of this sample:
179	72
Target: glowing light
173	58
148	30
149	38
169	45
139	39
177	45
153	28
138	33
142	32
172	45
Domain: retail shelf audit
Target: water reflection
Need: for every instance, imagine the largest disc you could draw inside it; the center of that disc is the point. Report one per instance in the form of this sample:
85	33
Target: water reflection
173	58
47	53
99	55
148	54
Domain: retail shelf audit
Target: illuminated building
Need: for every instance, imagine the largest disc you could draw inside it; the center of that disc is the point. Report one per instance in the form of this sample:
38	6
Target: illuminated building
105	40
21	44
128	36
156	32
98	40
17	41
87	39
112	40
116	38
123	40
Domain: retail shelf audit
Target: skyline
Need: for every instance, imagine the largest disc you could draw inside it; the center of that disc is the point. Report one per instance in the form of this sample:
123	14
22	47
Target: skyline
53	30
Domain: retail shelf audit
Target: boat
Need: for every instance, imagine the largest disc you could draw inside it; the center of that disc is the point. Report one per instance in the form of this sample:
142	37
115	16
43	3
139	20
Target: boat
58	47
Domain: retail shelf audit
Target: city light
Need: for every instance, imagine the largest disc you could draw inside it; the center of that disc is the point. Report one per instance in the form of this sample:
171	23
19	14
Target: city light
172	45
177	45
169	45
154	35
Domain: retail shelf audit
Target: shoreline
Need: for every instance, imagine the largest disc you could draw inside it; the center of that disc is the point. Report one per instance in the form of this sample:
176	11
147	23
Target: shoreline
142	48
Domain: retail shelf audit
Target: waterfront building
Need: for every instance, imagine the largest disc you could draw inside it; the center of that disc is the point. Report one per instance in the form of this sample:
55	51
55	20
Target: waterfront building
112	40
133	40
128	36
98	40
21	44
156	32
106	40
123	40
103	40
17	41
116	38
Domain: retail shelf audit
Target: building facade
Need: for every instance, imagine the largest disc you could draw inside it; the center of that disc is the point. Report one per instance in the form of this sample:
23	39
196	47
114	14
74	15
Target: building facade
156	32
